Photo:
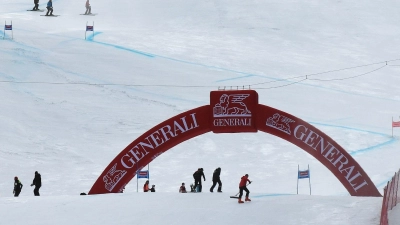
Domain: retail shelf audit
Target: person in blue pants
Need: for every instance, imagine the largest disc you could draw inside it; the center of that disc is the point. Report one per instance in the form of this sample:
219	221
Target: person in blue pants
49	8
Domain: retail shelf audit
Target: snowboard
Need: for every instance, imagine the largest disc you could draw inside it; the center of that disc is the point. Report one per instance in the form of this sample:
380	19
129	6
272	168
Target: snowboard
92	14
51	16
39	10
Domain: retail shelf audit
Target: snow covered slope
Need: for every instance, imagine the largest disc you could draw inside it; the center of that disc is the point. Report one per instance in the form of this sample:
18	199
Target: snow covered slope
70	105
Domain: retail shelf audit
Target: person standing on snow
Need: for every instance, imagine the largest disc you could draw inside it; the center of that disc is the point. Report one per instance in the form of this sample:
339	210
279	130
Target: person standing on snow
242	186
216	179
36	7
17	187
88	8
49	8
146	186
37	181
197	179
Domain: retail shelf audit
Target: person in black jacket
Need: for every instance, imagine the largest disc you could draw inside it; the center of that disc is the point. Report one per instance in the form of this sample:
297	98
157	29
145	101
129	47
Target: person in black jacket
37	181
36	7
153	188
197	179
216	179
17	187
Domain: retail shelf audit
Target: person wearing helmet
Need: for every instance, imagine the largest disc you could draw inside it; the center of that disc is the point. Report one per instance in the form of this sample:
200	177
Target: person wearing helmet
242	187
17	187
37	181
216	179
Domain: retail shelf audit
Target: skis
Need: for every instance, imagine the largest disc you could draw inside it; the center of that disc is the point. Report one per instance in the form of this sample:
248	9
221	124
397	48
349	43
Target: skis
39	10
50	15
91	14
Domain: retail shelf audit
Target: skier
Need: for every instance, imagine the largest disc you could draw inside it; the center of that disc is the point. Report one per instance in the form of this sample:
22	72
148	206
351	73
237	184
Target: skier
146	186
88	8
182	189
242	186
216	179
153	188
17	187
36	7
49	8
37	181
197	179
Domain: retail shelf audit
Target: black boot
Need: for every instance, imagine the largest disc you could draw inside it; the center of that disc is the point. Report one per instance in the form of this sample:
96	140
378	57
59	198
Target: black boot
219	188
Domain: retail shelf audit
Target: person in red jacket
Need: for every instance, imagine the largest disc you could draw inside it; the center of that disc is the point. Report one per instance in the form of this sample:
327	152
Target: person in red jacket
242	186
182	189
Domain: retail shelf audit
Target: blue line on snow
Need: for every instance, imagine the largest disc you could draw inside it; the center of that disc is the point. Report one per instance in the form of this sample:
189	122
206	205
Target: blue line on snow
384	183
90	37
390	141
348	128
356	152
123	48
235	71
373	147
270	195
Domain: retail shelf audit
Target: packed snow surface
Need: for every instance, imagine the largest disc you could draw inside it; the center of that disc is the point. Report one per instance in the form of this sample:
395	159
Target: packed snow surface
70	105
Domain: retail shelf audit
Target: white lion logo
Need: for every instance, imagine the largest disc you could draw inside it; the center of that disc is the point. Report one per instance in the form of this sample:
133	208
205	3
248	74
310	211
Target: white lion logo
232	105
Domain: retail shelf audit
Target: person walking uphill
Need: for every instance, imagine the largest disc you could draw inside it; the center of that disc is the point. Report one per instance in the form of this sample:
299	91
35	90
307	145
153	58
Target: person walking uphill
197	179
242	186
49	8
216	179
17	187
37	181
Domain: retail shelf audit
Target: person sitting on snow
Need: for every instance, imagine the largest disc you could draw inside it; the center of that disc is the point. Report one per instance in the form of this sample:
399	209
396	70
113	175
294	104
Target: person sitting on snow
182	189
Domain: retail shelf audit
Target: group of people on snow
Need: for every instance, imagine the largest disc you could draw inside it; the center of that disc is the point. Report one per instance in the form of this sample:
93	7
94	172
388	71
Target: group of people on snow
197	175
37	182
49	7
216	180
197	187
146	187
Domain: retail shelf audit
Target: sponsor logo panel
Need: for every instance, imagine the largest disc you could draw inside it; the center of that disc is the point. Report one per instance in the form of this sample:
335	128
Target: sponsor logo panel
233	111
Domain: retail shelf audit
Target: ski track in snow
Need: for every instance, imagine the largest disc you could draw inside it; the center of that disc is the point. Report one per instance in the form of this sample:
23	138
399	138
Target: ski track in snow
247	75
90	38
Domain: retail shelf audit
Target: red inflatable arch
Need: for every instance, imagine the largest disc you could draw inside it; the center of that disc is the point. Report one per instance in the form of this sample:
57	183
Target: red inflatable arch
233	112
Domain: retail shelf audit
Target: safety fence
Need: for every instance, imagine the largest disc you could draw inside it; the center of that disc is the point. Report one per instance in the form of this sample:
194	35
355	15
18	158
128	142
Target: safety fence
391	197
